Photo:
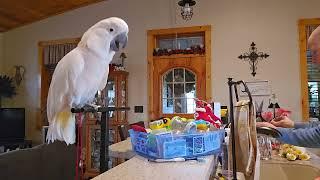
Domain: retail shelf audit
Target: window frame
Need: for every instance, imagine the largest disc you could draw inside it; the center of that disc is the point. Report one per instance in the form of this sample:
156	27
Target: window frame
173	82
302	23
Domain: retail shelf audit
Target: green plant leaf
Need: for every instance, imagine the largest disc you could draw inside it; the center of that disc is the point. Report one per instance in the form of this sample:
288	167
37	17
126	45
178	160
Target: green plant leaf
7	88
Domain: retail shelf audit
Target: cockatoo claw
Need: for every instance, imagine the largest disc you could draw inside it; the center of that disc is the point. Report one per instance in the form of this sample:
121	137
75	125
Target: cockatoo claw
91	106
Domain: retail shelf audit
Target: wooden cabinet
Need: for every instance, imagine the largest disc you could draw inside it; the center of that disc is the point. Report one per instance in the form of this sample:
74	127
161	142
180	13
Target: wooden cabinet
115	94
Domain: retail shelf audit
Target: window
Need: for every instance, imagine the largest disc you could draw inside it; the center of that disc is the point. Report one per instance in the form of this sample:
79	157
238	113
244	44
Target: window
178	91
183	42
313	98
310	72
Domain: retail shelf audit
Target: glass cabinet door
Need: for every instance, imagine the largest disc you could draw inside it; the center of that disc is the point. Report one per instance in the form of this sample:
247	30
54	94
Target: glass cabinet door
111	97
94	147
122	98
114	95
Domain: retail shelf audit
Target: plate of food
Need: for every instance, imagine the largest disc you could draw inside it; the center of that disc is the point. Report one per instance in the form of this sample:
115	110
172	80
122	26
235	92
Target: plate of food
292	153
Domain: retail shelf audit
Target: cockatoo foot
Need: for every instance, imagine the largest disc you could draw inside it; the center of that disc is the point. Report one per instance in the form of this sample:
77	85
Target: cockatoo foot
94	106
96	114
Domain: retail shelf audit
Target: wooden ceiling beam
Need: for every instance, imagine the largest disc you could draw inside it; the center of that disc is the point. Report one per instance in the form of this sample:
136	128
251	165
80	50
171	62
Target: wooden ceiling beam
14	9
10	17
7	23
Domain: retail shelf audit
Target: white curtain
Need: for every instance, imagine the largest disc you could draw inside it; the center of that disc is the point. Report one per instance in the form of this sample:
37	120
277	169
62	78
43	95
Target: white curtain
54	53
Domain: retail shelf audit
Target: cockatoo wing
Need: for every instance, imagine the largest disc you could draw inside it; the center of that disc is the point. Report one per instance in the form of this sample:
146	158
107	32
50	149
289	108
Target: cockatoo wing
62	96
105	79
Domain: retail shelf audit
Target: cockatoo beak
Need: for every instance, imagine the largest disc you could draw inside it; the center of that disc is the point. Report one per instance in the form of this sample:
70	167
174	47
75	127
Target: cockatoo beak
120	39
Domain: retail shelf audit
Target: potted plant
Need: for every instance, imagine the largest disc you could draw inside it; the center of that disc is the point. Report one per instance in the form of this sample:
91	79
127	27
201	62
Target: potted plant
7	89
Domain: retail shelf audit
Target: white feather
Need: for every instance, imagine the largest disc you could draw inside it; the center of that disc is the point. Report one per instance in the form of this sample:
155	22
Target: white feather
78	76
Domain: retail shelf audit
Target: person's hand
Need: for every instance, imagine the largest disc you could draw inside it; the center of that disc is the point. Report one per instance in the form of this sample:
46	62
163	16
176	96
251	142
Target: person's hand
283	121
265	124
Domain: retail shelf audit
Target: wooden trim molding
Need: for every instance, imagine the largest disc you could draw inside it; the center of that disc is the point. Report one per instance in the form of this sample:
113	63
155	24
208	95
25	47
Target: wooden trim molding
151	44
42	73
208	63
59	41
302	23
181	30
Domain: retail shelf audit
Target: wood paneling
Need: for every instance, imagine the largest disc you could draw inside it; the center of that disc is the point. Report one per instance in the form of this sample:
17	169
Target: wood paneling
16	13
303	64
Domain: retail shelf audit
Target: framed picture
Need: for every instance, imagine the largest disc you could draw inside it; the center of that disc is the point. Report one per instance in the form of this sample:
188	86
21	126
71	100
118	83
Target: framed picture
257	88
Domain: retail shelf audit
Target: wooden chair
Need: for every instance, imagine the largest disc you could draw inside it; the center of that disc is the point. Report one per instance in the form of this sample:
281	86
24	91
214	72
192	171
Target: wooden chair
123	132
123	129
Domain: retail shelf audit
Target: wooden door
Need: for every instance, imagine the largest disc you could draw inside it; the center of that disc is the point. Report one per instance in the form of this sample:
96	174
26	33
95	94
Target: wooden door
158	64
162	65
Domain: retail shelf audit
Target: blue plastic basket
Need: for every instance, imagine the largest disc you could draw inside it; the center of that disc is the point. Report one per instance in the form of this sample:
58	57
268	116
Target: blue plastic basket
168	145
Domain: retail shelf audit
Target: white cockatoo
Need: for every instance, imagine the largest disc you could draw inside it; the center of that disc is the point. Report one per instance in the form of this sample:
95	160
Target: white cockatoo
80	74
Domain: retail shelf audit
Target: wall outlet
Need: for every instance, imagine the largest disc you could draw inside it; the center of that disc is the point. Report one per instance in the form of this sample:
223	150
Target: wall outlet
138	109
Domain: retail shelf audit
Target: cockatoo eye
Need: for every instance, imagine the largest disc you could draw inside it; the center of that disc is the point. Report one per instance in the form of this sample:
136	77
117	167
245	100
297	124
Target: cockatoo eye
110	29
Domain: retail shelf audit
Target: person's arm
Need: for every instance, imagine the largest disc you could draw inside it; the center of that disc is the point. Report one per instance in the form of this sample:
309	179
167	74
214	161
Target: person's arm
311	124
306	137
284	121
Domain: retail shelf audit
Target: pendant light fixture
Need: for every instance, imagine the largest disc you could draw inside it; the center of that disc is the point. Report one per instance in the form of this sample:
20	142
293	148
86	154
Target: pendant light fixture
186	9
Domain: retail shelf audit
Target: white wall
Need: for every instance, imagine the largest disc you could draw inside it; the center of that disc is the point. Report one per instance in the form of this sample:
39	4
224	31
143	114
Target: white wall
271	24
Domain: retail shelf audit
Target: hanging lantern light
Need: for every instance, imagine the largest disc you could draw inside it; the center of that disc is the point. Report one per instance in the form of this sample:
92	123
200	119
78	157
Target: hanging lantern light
186	9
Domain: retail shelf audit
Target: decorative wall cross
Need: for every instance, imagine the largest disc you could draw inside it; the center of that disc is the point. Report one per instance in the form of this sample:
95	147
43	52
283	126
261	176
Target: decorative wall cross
253	57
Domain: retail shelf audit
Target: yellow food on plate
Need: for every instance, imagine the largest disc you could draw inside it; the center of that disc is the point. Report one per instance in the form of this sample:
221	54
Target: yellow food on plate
297	152
284	146
283	154
304	157
288	150
292	153
291	157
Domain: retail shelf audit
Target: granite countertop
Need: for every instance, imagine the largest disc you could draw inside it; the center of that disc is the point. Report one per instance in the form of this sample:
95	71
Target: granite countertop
121	149
140	168
314	160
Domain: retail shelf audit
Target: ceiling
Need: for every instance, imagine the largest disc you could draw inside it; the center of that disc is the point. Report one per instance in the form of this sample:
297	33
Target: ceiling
16	13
